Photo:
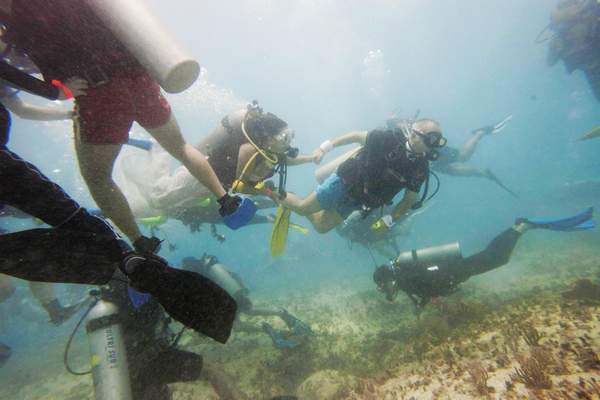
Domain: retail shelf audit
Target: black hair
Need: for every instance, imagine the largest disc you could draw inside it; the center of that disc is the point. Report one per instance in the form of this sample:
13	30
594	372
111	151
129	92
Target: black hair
382	275
268	124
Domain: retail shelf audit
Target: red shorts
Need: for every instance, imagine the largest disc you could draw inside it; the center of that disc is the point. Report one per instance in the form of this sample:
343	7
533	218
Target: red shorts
106	113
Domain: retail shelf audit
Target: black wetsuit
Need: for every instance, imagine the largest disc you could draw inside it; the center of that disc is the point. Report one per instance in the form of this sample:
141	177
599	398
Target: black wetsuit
427	283
153	360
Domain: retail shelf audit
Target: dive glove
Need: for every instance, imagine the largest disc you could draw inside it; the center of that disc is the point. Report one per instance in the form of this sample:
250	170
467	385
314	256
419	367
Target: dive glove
228	204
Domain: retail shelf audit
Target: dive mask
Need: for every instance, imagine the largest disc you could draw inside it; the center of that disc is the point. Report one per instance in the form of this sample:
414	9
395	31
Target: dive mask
433	140
280	143
386	282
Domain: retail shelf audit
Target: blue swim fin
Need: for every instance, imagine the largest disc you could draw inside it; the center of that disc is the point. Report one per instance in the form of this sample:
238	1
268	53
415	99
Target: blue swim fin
575	222
276	337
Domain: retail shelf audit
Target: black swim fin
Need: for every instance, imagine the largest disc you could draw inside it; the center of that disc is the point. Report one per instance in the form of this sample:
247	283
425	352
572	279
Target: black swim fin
491	176
188	297
60	256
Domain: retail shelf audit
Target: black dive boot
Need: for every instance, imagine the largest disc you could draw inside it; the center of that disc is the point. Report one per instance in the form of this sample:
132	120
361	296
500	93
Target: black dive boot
59	314
145	245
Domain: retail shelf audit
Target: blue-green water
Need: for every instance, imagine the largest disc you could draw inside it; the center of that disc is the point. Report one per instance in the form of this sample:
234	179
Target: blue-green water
328	68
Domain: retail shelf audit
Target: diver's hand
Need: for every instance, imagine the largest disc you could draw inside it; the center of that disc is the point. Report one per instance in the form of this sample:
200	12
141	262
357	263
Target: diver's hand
229	204
268	188
382	226
317	156
77	87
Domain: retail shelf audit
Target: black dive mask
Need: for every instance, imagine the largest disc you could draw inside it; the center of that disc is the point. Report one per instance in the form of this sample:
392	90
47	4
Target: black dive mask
386	282
433	140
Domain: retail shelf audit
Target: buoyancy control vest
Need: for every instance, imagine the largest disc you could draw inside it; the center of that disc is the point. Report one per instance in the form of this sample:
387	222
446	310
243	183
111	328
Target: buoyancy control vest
381	169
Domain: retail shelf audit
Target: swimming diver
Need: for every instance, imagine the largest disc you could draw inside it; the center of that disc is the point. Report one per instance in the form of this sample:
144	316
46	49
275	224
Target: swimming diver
450	156
389	162
244	150
299	332
429	273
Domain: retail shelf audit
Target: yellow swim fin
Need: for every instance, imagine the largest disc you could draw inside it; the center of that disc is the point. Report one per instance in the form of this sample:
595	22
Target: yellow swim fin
590	135
280	231
299	228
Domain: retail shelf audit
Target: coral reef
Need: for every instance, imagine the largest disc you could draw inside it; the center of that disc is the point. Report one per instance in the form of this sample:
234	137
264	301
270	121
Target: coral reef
532	371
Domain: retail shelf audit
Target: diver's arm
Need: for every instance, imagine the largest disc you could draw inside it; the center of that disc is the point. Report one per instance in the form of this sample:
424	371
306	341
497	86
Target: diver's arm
349	138
29	111
299	160
405	204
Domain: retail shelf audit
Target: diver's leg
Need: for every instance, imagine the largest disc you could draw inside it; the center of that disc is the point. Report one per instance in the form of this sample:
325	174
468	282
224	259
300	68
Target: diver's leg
495	255
302	207
28	190
96	164
460	170
170	138
247	327
469	148
262	312
324	221
44	293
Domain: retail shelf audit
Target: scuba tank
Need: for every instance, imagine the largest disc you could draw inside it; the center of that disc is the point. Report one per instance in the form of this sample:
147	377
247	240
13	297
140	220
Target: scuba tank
431	256
221	277
110	370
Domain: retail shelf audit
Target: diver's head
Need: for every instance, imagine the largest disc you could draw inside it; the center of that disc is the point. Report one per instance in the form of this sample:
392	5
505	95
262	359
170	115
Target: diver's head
270	133
280	142
386	282
425	137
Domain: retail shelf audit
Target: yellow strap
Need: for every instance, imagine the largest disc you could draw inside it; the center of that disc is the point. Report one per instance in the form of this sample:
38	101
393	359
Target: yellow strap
262	153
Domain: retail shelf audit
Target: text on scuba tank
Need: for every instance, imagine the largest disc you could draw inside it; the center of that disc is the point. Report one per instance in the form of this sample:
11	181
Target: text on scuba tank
111	352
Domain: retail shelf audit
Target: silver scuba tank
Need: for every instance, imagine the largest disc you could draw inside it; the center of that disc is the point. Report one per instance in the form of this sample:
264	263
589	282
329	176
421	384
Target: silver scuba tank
221	277
431	256
108	358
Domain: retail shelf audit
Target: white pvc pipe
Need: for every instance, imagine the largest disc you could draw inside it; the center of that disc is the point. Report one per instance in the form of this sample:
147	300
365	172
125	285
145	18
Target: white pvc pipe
150	42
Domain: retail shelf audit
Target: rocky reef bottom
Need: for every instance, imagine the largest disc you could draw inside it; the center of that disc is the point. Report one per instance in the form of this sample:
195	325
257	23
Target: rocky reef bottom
529	330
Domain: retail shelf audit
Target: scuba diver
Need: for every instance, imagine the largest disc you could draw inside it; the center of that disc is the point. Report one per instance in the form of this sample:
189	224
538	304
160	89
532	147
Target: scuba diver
151	359
449	156
356	230
429	273
576	39
388	162
244	150
66	39
299	332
